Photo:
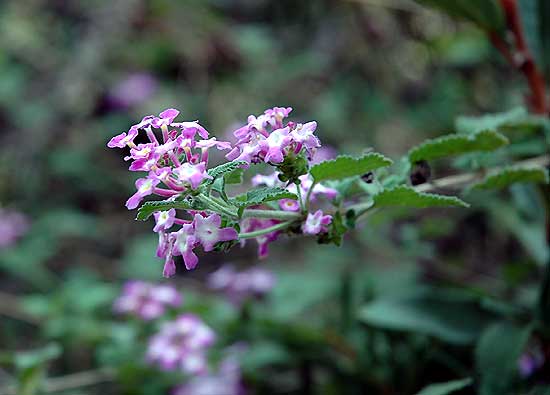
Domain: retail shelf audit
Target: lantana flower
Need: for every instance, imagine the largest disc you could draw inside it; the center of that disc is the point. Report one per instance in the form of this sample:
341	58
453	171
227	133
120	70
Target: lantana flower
145	300
316	223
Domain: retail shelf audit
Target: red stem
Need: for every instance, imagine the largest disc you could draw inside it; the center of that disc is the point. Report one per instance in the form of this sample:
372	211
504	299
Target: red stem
522	58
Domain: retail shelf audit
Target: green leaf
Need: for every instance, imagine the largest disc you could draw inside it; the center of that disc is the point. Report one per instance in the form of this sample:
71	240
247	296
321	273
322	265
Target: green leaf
497	353
485	13
346	166
512	174
262	195
446	388
457	144
409	197
148	208
27	359
454	318
516	121
222	169
234	177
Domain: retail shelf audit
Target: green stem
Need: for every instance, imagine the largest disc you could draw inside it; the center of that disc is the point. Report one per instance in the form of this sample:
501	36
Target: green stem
308	195
265	231
210	202
271	214
299	193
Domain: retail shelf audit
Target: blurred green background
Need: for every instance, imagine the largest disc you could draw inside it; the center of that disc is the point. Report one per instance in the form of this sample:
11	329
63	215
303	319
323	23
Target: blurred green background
382	74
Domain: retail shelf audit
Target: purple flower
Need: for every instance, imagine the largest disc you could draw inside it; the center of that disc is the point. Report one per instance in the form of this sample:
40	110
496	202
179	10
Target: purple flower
252	224
191	128
289	205
531	361
240	286
123	139
192	174
316	223
164	220
271	180
145	187
13	225
276	115
185	242
322	154
145	300
133	90
226	381
209	233
181	345
165	118
303	136
275	145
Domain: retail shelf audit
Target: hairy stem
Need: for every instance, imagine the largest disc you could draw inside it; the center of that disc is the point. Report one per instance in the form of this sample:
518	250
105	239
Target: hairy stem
271	214
261	232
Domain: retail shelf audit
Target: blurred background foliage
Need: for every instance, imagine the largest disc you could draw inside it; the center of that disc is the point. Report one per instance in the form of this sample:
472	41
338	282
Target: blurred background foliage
399	306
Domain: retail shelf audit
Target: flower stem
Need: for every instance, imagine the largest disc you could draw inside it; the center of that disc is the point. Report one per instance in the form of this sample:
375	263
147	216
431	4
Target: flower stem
211	203
271	214
261	232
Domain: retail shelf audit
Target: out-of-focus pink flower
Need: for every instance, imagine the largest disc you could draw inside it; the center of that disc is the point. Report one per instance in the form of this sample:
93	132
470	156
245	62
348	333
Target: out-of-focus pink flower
181	345
253	224
132	90
145	300
13	225
243	285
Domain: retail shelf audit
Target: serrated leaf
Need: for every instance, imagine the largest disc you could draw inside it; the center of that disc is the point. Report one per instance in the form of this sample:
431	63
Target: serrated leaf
456	144
148	208
234	177
515	121
262	195
406	196
454	318
224	168
485	13
511	175
497	354
345	166
445	388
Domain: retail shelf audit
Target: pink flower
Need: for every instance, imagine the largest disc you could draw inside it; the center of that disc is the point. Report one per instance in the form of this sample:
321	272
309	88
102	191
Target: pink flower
271	180
164	220
289	205
181	345
192	174
184	243
303	135
275	145
145	187
316	223
252	224
123	139
209	233
276	115
132	90
191	128
13	225
146	300
165	118
213	142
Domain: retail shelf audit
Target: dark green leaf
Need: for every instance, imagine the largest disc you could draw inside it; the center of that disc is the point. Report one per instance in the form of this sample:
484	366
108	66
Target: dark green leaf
222	169
409	197
456	144
148	208
346	166
446	388
497	354
452	318
262	195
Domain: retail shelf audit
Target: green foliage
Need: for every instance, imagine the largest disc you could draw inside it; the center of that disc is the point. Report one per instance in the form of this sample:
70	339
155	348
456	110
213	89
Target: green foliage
455	144
406	196
516	121
148	208
510	175
452	317
446	388
487	14
224	169
345	166
258	196
497	354
31	367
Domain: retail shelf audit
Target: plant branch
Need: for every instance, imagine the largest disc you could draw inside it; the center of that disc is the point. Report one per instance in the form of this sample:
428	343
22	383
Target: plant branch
261	232
271	214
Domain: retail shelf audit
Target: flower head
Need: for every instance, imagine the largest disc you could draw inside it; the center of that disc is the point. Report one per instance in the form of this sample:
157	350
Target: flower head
181	345
209	233
316	223
192	174
145	300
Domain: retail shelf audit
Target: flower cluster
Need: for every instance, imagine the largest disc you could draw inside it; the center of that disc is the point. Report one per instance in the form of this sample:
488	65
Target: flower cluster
174	156
265	138
226	381
181	345
243	285
204	230
179	161
13	225
145	300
